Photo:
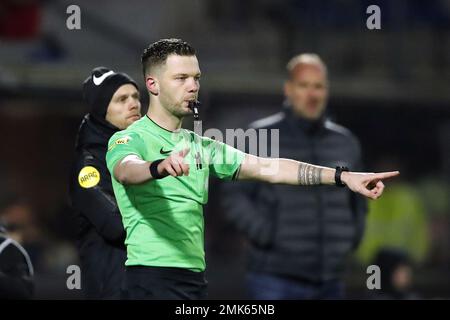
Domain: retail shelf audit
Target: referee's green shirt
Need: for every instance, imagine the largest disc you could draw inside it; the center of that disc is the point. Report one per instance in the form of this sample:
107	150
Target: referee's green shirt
163	218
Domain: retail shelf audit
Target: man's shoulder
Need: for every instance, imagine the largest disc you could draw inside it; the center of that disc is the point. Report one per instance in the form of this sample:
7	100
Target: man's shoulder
137	127
85	158
271	121
340	130
122	137
133	132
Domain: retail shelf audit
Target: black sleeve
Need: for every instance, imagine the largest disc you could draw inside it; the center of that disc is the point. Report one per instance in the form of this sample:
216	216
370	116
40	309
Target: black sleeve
359	203
99	207
15	277
246	213
250	208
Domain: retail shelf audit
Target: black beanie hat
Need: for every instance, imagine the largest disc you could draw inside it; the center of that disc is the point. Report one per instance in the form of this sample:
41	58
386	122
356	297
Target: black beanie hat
99	88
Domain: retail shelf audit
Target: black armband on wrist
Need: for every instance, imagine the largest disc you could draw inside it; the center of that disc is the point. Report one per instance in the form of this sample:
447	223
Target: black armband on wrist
154	169
337	176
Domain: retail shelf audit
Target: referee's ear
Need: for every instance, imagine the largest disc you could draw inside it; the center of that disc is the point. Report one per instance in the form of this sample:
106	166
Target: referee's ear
152	85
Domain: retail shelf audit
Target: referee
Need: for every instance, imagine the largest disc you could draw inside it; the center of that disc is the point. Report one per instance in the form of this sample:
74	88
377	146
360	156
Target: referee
114	104
160	178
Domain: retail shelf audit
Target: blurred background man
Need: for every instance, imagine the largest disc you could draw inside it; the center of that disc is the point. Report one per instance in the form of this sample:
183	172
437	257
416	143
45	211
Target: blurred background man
300	238
396	273
114	102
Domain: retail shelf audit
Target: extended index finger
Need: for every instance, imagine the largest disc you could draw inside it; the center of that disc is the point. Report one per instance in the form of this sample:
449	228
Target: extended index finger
384	175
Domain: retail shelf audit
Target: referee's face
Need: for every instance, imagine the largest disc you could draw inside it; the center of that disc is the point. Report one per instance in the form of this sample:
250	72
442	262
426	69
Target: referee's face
179	82
124	107
307	91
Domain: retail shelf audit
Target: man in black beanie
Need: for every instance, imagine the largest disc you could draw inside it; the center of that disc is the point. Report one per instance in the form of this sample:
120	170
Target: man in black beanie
114	105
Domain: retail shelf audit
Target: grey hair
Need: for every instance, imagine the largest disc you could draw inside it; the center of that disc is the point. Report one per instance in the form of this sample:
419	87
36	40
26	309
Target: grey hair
308	59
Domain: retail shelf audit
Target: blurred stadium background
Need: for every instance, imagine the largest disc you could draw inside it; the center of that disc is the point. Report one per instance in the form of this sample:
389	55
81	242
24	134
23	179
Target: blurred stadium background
389	86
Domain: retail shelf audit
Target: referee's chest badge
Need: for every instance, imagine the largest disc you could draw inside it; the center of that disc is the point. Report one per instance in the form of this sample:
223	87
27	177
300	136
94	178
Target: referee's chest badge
88	177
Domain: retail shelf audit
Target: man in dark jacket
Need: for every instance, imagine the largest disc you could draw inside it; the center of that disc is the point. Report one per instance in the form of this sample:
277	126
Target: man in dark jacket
114	102
16	269
299	239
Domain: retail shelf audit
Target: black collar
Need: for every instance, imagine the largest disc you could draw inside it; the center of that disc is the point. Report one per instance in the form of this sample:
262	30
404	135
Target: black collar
94	132
309	127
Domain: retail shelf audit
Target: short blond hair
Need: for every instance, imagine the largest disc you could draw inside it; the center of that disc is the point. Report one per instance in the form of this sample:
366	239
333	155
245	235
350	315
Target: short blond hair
308	59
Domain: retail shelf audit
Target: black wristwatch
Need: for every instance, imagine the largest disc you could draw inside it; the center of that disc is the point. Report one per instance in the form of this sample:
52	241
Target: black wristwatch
154	169
337	176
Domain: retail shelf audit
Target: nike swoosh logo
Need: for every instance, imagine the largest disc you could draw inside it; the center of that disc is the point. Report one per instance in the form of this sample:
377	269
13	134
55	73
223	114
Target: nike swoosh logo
98	80
164	152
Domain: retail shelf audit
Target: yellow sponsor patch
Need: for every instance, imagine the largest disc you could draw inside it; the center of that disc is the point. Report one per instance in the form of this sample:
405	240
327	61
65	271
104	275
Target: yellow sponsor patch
123	140
88	177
